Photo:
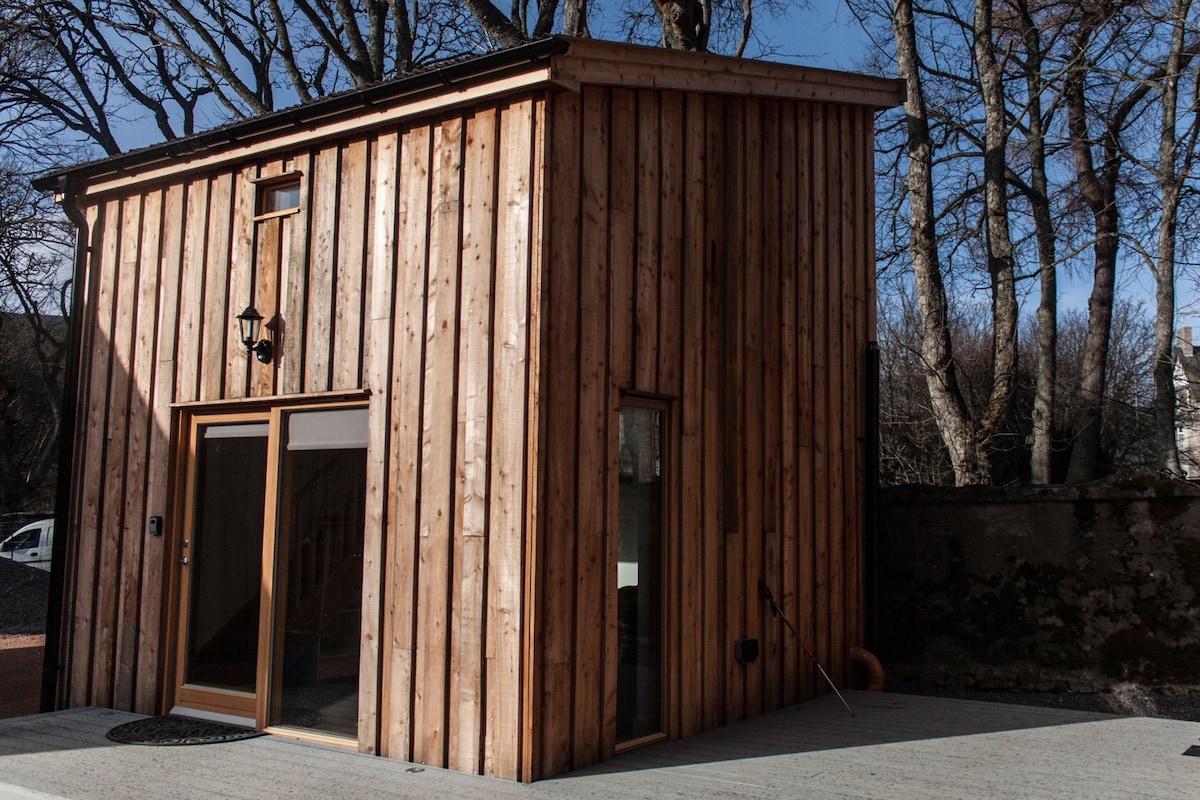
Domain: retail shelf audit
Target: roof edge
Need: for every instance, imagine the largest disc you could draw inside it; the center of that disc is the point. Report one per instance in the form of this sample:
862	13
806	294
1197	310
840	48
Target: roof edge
565	61
600	62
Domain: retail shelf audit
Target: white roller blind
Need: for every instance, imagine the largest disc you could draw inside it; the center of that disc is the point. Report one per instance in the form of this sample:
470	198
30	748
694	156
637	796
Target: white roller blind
342	429
247	430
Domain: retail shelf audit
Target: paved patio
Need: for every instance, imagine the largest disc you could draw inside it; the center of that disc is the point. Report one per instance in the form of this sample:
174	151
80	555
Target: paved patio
898	746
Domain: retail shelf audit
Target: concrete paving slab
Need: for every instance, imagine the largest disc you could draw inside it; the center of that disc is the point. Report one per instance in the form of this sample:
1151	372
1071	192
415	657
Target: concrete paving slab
896	747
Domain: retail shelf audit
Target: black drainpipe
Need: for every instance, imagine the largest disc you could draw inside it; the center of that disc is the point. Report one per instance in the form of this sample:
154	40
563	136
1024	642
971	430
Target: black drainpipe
66	445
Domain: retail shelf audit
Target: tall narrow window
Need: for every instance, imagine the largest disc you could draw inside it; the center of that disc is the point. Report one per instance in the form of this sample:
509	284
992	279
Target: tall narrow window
639	573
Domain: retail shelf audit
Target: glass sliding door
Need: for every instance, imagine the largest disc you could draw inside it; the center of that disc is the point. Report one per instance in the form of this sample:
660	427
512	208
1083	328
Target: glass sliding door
221	559
640	574
271	567
319	570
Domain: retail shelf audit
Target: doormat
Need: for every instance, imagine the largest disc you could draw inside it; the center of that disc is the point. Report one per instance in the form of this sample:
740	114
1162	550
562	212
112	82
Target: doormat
172	730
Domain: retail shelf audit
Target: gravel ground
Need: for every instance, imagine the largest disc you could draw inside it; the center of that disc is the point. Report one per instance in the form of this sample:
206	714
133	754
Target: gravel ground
23	592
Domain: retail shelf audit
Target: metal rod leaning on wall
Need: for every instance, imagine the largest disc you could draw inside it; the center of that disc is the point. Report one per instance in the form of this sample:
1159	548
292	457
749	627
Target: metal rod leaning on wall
777	611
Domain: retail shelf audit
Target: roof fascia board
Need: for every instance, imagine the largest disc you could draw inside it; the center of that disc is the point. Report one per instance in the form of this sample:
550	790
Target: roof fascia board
163	164
592	62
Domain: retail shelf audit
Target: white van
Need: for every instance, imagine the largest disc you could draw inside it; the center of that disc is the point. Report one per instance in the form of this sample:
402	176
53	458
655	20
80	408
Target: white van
31	544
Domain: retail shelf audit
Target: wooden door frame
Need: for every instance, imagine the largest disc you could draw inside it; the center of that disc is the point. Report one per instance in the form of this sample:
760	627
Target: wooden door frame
188	418
219	701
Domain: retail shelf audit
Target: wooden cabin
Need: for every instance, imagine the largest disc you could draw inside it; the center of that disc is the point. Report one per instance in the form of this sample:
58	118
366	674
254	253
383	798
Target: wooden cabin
562	350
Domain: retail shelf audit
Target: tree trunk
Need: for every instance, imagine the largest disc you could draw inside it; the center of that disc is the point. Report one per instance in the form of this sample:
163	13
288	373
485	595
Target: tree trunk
683	24
999	243
969	463
1169	181
1098	190
574	16
1041	452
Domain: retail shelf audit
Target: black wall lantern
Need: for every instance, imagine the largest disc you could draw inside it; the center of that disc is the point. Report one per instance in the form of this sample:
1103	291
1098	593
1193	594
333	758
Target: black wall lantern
250	323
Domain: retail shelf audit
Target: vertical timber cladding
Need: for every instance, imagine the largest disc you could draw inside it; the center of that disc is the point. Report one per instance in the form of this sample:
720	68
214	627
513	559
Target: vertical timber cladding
408	273
714	252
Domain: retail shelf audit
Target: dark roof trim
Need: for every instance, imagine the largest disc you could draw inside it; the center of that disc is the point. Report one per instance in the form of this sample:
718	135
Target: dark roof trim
486	67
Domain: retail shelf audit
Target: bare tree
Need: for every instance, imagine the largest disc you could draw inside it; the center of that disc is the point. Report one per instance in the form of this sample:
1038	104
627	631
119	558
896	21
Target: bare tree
34	255
949	407
1000	257
1174	165
1036	191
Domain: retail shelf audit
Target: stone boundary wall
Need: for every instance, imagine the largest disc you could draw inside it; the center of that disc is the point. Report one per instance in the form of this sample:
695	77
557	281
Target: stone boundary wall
1041	589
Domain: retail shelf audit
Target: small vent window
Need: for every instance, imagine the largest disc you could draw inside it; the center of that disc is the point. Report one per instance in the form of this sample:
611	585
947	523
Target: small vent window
279	197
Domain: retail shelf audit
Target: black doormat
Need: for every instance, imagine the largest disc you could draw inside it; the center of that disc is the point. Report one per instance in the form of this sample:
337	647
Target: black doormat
172	730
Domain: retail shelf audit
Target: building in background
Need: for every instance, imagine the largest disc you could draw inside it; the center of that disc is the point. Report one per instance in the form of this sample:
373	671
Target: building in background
1187	404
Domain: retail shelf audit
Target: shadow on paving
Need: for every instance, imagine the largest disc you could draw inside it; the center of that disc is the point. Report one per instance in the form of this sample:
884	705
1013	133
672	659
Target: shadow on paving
815	726
824	724
60	731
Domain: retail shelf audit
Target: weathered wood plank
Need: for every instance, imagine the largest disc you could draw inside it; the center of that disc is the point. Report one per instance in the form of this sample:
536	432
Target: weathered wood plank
538	329
352	238
191	299
622	237
648	237
105	222
216	319
733	359
556	620
671	142
593	682
318	335
713	535
377	377
771	325
821	377
141	382
791	489
293	284
806	469
437	449
835	383
622	246
691	521
112	523
506	518
265	286
471	545
241	274
404	458
153	627
753	393
266	301
670	357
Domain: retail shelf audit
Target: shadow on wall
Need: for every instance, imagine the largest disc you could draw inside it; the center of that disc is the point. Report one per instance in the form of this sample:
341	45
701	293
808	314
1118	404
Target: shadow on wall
1042	589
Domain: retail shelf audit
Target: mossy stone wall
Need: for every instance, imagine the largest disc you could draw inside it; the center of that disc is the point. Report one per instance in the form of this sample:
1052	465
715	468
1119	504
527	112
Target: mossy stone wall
1041	588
